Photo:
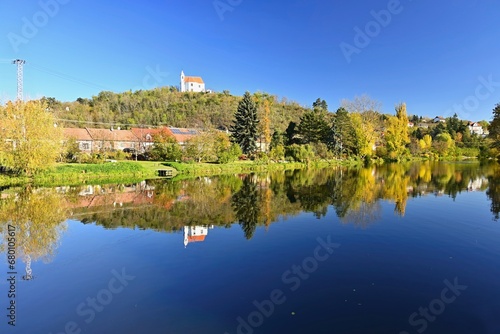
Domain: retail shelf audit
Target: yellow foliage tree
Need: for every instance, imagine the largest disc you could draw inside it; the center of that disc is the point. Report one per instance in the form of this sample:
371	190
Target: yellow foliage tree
29	139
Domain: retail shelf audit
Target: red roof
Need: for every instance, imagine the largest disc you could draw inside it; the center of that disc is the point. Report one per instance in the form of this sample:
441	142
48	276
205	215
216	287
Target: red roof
112	135
183	134
76	133
147	135
194	79
196	238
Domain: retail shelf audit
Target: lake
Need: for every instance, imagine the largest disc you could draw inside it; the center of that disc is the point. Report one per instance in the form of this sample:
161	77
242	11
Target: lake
403	248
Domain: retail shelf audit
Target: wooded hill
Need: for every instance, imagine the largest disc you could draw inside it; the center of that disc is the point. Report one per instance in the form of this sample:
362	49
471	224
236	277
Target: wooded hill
167	106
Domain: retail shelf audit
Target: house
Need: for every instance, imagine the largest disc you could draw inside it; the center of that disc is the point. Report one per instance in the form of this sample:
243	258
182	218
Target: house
475	128
411	125
182	135
81	136
191	84
146	136
111	139
439	119
195	234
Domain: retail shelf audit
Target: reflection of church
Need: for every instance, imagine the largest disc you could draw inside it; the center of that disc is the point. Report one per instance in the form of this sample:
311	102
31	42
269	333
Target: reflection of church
195	233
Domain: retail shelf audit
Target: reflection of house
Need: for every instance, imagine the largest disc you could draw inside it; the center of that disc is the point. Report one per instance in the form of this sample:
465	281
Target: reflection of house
475	128
195	234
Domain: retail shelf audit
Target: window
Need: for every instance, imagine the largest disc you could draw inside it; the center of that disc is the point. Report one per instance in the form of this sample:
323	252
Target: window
84	146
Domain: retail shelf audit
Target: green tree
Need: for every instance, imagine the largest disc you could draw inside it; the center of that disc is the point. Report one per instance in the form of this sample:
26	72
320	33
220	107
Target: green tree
29	139
343	134
494	127
246	206
313	127
320	104
244	129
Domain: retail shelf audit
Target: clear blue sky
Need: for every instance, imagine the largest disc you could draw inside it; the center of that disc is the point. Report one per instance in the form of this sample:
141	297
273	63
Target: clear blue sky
428	54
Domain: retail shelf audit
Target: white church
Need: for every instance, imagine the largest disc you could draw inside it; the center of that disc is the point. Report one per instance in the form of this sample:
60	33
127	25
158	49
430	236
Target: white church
191	84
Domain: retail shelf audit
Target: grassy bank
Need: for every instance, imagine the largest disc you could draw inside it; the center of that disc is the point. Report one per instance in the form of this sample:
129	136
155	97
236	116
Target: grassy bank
209	169
72	174
135	171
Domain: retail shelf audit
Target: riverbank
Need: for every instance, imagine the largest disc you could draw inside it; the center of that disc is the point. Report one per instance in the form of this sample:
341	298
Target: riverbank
135	171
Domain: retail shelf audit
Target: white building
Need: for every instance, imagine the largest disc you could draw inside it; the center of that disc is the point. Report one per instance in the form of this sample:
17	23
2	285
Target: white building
195	233
476	128
191	84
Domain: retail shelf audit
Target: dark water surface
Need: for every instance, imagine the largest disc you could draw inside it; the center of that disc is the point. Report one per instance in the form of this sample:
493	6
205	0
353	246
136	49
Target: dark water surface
386	249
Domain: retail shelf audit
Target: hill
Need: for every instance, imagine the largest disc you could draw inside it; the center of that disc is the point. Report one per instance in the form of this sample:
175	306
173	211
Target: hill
167	106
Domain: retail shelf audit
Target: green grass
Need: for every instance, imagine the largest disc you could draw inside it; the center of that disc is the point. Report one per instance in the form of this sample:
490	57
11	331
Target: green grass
73	174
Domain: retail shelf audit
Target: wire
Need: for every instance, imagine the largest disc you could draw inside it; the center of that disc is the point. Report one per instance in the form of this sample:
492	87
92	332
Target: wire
66	76
106	123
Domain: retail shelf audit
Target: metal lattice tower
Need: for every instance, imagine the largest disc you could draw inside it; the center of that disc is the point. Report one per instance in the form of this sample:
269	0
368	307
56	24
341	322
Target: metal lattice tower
19	63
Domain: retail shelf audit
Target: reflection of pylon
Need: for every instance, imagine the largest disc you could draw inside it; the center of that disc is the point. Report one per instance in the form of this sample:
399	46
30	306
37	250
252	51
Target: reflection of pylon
29	272
19	63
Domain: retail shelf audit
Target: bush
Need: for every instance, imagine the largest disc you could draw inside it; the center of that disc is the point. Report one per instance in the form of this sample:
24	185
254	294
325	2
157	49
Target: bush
299	153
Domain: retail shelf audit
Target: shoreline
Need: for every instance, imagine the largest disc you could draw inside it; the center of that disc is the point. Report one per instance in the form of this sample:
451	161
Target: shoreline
136	171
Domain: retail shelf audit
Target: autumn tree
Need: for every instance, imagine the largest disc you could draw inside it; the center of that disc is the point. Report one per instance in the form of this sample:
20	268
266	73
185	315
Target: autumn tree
165	147
29	138
396	135
244	129
265	126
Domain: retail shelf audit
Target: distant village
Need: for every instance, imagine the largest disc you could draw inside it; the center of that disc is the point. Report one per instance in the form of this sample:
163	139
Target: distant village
136	139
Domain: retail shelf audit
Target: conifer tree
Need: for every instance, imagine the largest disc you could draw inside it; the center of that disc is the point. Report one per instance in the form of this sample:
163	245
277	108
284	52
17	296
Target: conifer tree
244	129
494	127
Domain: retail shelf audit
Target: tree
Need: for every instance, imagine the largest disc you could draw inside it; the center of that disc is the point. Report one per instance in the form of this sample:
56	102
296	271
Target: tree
165	147
244	129
494	127
361	104
29	138
266	125
343	133
313	127
320	104
396	135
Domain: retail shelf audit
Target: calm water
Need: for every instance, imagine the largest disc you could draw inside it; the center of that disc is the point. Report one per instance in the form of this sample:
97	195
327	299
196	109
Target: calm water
386	249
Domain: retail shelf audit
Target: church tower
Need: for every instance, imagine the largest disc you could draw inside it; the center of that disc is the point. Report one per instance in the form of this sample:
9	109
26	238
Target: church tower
183	85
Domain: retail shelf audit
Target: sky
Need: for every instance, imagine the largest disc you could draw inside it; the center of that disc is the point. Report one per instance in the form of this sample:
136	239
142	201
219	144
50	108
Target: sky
440	58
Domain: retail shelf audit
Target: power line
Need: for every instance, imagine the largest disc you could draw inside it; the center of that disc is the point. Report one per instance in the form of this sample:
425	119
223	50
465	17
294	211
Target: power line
107	123
66	76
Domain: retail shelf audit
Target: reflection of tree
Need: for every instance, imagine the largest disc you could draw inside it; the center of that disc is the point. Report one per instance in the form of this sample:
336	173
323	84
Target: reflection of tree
37	216
246	206
258	200
493	194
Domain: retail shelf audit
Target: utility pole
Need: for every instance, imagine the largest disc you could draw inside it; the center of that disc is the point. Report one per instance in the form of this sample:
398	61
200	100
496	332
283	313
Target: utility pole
19	63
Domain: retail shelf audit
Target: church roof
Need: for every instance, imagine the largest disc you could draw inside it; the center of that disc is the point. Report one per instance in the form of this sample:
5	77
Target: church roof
194	79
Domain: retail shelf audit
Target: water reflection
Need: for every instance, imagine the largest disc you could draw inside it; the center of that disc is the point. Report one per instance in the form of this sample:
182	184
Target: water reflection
38	217
249	200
